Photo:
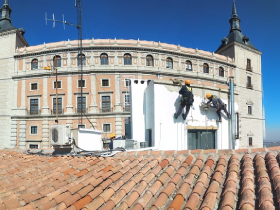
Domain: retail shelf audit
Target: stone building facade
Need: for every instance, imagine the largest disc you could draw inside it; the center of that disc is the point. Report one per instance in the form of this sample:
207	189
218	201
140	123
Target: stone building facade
28	93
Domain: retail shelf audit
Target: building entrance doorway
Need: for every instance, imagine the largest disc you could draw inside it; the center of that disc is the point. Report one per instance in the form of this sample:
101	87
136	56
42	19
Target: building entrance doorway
201	139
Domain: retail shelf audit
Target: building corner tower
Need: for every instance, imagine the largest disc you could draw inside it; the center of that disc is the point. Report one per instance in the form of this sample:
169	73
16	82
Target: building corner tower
11	38
248	83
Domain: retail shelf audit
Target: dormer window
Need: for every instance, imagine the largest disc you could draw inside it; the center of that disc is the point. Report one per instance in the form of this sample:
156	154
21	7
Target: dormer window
57	61
169	63
81	60
34	64
205	68
127	59
188	66
221	72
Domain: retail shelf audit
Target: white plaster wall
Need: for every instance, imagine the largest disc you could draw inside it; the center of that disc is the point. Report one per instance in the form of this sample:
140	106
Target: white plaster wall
153	107
137	111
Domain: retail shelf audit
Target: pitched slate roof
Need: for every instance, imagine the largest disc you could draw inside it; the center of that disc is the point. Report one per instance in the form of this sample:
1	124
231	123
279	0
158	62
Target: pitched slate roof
198	179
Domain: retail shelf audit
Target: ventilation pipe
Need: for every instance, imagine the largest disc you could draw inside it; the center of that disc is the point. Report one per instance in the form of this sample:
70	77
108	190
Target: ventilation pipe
232	138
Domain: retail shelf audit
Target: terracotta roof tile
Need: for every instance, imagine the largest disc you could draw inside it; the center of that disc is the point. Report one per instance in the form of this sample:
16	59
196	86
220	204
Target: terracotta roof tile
155	180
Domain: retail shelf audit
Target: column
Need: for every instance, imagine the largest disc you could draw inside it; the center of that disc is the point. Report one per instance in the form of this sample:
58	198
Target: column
45	133
69	106
45	107
22	134
118	125
93	106
118	105
13	141
22	104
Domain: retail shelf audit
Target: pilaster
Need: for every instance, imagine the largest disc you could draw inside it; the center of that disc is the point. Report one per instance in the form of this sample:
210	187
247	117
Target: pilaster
93	106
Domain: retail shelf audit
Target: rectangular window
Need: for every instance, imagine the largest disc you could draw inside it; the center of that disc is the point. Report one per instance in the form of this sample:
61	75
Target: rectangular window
250	141
127	103
81	83
127	82
34	106
106	104
81	104
34	129
249	109
105	83
106	128
248	64
59	105
81	126
33	146
249	82
34	86
57	84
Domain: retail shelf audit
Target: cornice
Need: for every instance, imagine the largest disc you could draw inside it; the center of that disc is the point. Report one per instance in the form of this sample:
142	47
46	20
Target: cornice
115	48
239	45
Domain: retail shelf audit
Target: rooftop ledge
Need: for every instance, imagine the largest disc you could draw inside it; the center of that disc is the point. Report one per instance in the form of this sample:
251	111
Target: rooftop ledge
120	43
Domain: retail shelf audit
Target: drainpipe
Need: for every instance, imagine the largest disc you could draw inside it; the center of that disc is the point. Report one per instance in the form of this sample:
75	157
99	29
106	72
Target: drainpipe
232	139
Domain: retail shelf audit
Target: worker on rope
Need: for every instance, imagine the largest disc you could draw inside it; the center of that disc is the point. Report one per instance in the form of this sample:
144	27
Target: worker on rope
187	100
218	104
112	138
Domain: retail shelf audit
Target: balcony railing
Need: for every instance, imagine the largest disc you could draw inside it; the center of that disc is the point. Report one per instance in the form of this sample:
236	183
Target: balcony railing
249	86
106	110
33	112
85	110
126	109
249	68
60	111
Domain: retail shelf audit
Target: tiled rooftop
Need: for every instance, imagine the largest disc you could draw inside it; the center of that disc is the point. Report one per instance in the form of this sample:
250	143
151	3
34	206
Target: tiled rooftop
199	179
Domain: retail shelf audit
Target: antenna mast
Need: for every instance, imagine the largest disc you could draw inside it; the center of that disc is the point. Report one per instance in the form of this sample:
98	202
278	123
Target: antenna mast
80	54
81	58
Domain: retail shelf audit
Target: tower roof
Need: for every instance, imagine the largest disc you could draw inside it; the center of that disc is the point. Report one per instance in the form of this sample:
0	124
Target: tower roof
235	33
5	20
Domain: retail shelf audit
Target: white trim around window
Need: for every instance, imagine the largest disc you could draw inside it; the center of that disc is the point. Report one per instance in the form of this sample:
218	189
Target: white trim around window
33	143
78	83
84	126
34	83
58	82
110	127
30	130
109	82
111	101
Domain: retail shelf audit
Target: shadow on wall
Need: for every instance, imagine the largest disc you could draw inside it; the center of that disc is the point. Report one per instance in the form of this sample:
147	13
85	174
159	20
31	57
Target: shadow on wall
176	107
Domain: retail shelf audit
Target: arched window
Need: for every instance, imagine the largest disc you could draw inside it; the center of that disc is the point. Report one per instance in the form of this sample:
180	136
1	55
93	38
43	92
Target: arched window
127	59
81	60
169	63
104	59
149	60
57	61
205	68
188	66
221	72
34	64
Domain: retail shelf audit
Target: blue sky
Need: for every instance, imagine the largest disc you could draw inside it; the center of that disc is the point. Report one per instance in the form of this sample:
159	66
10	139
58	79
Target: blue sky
191	23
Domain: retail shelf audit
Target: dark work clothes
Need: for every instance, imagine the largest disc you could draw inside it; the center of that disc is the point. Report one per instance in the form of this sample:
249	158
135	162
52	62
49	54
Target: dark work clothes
111	145
215	101
185	93
219	112
219	105
181	109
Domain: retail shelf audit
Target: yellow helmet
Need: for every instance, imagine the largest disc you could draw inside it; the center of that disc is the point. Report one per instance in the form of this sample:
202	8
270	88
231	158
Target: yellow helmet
208	95
112	135
187	82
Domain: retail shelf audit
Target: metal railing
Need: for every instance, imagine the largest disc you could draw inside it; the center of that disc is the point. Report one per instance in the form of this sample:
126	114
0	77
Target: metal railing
60	111
106	110
34	112
126	109
249	68
249	86
84	110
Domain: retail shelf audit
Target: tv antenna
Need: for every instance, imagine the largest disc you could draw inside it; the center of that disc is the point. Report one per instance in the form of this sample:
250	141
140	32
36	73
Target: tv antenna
81	59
